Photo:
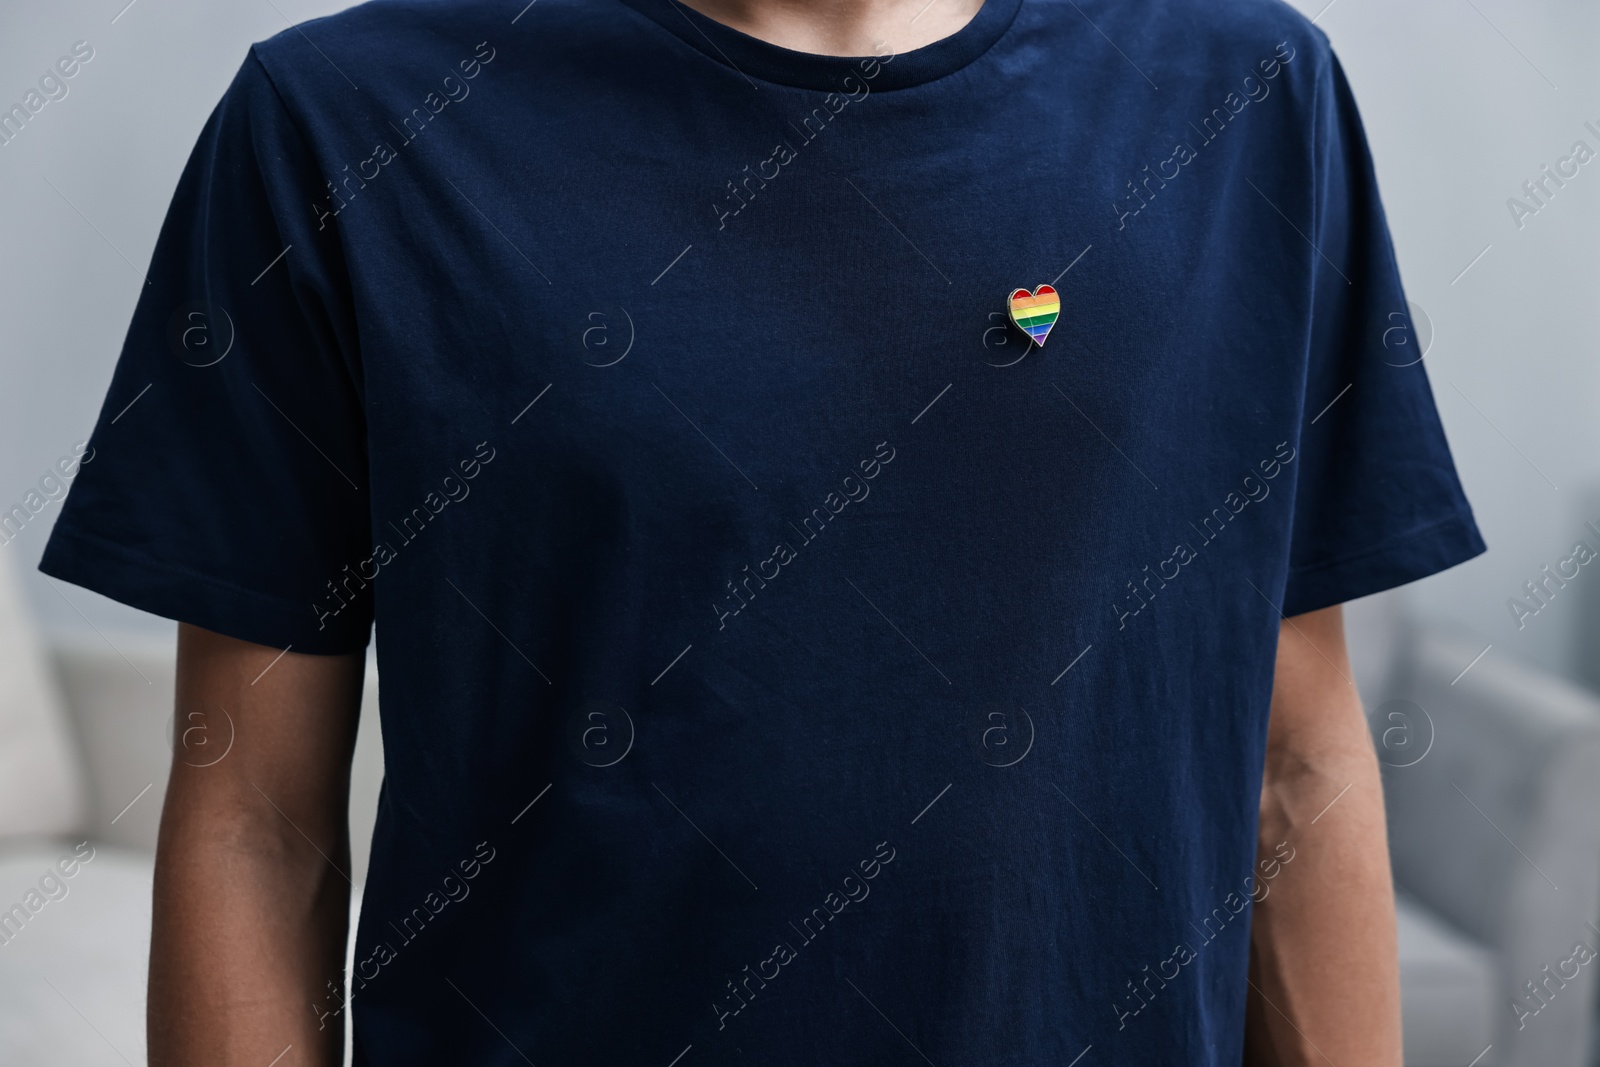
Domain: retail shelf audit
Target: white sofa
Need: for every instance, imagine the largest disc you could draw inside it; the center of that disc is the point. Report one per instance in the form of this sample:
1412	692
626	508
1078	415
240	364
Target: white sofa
1507	794
85	728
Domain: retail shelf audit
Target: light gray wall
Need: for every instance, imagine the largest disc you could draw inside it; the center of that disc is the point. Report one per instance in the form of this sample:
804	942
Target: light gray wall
1463	101
82	194
1459	105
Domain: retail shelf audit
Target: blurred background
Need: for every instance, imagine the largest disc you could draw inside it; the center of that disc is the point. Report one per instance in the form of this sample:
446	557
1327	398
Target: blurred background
1485	715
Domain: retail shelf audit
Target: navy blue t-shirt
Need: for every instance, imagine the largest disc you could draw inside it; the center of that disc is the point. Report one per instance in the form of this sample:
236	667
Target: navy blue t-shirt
784	661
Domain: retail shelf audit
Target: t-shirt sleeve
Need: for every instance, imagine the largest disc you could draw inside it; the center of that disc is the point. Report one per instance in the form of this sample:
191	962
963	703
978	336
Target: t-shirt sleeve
226	482
1377	501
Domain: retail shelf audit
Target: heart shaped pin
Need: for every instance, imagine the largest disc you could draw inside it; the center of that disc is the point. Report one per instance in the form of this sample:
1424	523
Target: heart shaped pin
1035	312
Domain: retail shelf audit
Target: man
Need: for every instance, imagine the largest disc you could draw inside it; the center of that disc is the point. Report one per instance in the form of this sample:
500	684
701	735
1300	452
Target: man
786	658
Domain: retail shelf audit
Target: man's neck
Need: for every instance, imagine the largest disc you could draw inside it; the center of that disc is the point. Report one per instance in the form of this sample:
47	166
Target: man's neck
842	27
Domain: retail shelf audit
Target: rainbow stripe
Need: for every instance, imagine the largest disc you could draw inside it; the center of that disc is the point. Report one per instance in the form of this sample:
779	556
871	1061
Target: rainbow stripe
1035	312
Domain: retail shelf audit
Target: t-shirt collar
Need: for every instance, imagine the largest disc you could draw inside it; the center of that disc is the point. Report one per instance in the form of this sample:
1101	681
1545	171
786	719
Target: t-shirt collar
768	62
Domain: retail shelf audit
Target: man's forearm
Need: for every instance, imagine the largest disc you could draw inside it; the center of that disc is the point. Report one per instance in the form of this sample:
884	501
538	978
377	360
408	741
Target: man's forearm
1323	967
251	890
246	934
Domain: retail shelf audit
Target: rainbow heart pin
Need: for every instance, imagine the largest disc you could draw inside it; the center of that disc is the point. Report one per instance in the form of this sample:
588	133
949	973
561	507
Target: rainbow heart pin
1035	312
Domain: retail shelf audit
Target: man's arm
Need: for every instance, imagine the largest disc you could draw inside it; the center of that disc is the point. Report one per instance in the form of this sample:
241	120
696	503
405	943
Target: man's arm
251	894
1325	981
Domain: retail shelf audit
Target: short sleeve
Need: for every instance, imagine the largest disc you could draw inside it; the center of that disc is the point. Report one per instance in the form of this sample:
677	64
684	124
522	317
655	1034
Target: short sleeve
1377	501
226	485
